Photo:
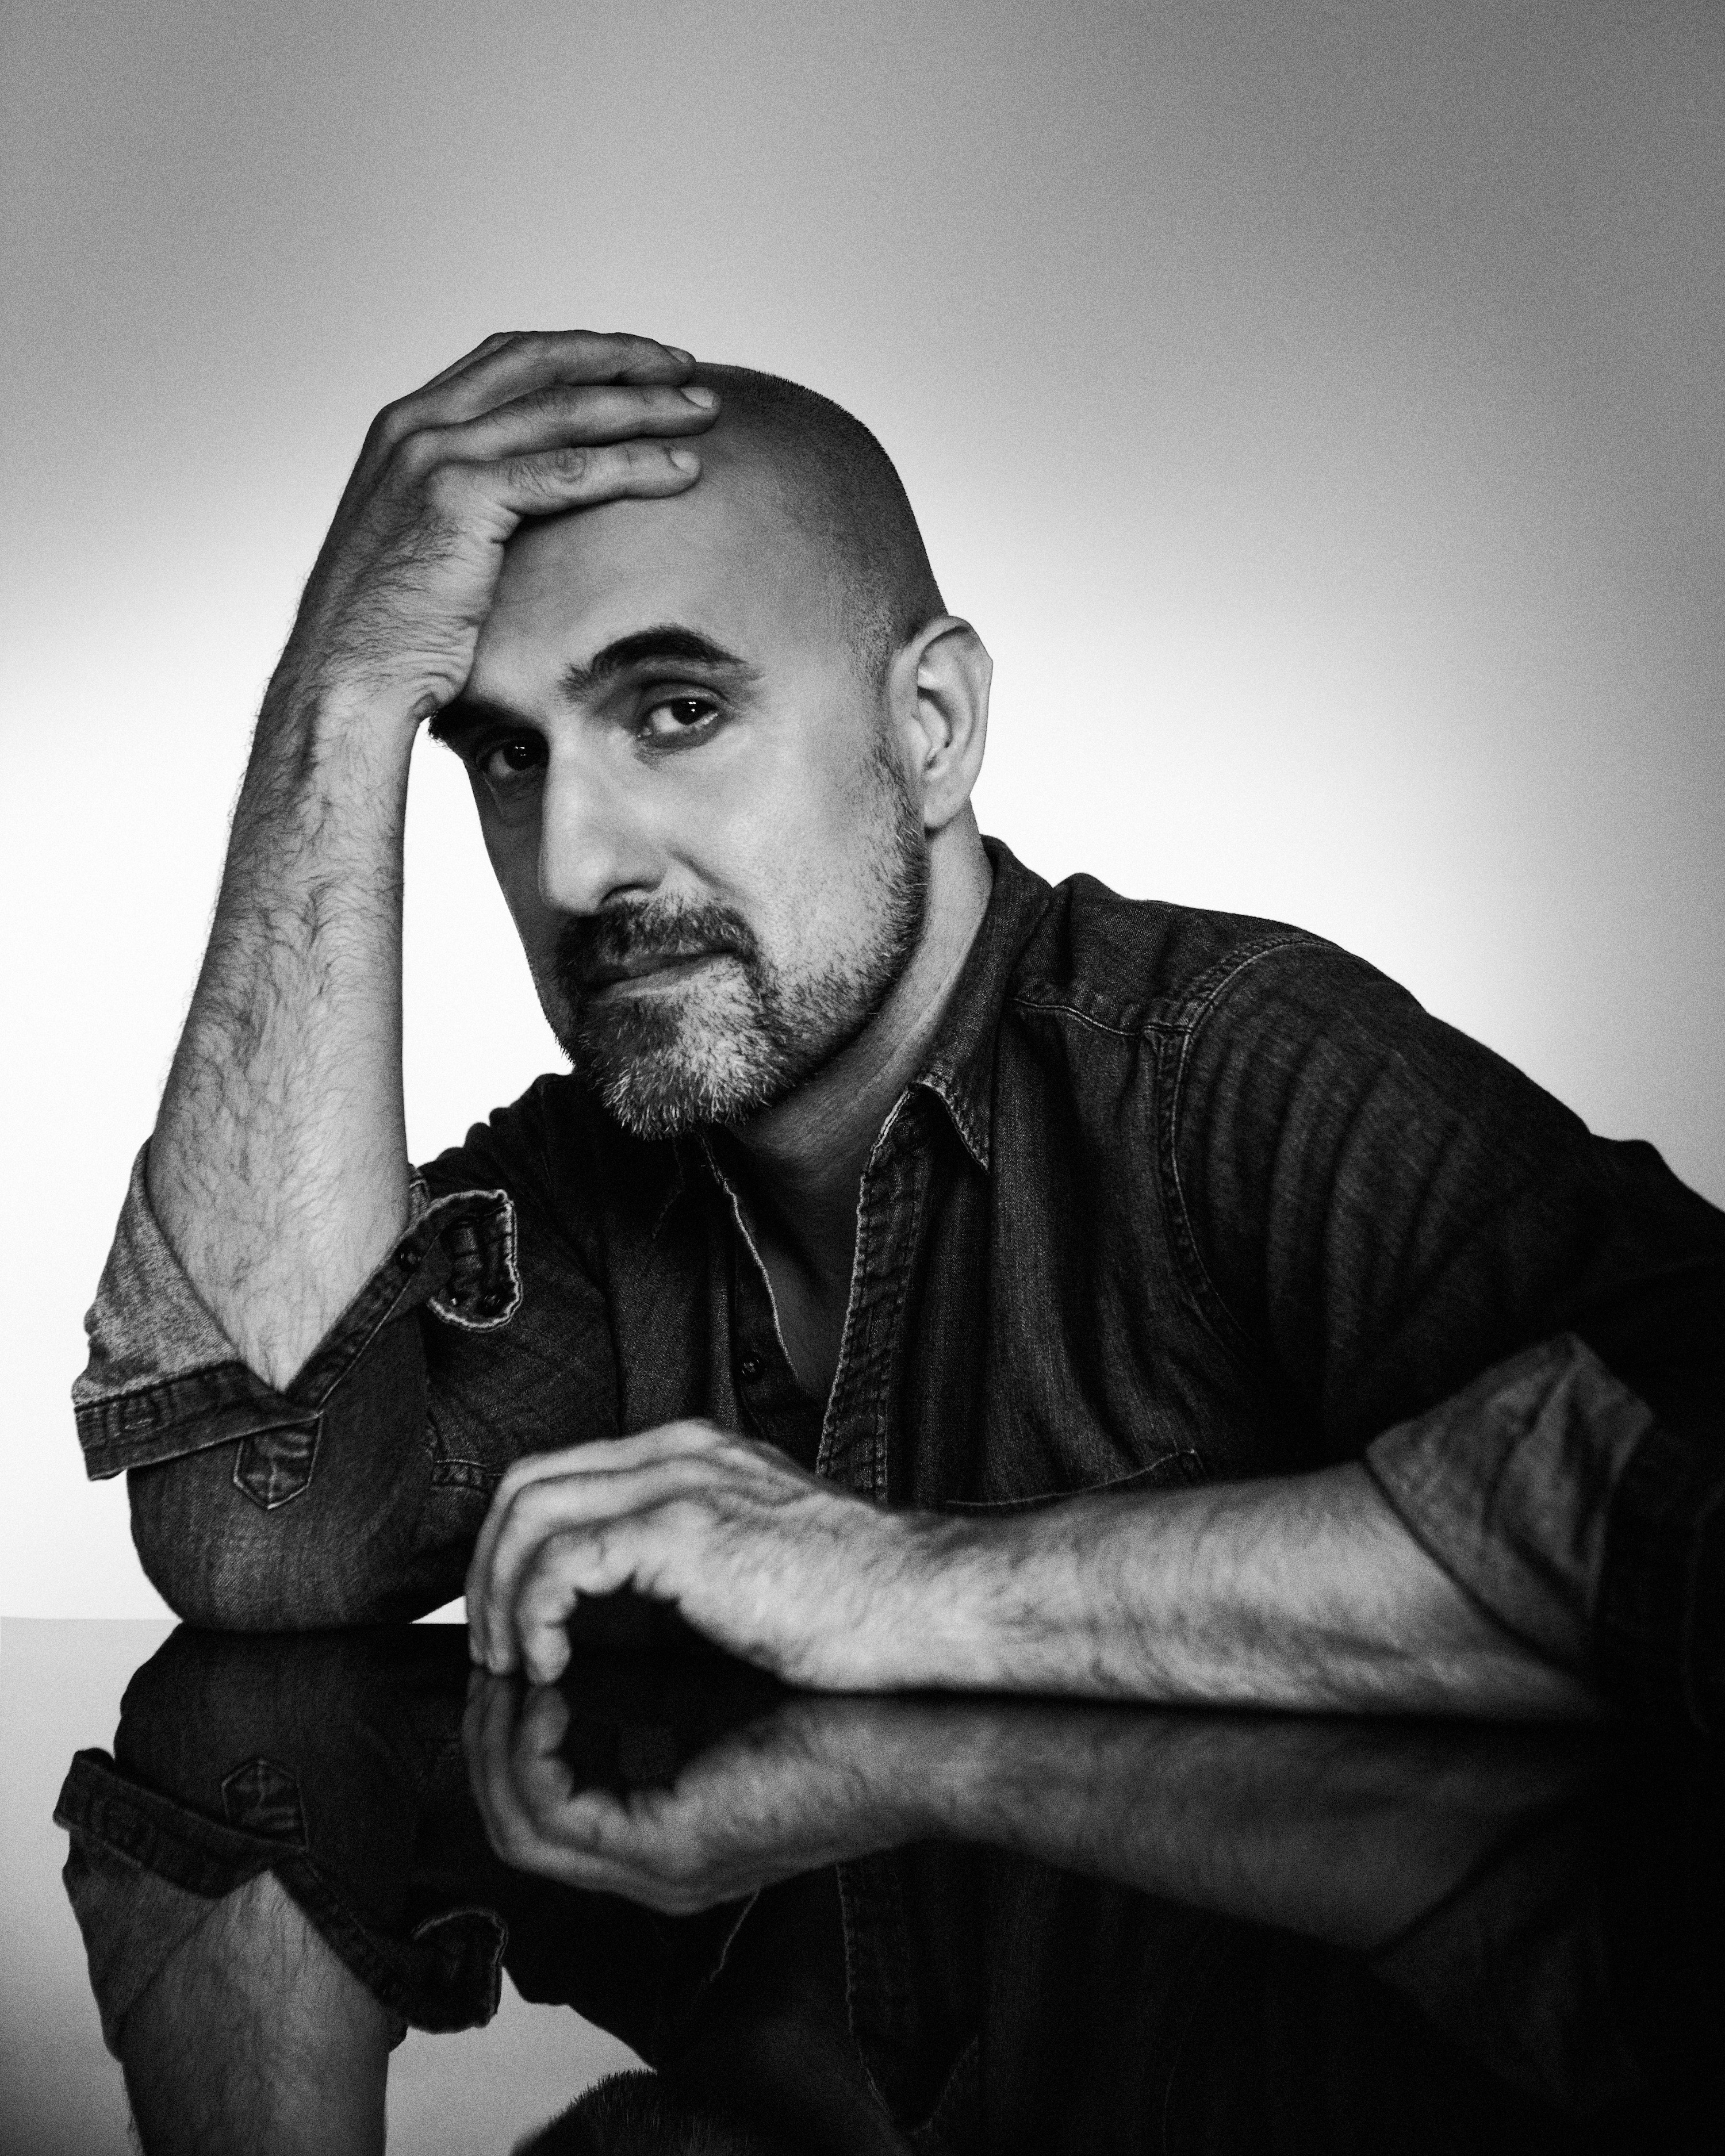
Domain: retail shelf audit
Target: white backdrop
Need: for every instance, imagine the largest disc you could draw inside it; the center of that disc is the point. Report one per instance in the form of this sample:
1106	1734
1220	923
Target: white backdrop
1317	404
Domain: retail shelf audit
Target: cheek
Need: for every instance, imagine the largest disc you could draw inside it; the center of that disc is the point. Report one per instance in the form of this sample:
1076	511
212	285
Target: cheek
513	850
811	855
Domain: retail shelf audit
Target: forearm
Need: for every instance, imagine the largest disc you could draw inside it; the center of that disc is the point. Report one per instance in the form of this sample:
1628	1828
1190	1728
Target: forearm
1303	1592
279	1166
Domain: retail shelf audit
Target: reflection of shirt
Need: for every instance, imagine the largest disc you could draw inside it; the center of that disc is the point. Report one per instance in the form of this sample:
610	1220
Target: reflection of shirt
1177	1196
976	1998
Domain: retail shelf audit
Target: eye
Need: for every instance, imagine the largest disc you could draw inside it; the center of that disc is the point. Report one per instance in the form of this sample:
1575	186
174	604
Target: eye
676	718
508	764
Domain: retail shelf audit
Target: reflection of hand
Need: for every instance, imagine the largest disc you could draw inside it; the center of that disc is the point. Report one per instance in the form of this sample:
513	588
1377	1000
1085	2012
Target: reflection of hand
800	1578
816	1780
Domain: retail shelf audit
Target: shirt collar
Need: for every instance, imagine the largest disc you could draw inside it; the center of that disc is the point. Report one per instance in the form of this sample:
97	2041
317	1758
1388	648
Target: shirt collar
960	1067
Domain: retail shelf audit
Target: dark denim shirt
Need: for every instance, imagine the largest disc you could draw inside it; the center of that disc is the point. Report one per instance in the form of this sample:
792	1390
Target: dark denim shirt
1177	1196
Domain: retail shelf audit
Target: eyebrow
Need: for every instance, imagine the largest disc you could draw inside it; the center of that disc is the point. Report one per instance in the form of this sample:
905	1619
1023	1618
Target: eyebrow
667	643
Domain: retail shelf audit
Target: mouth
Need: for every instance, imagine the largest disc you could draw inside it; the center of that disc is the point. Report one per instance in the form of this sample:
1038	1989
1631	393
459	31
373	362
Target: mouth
648	972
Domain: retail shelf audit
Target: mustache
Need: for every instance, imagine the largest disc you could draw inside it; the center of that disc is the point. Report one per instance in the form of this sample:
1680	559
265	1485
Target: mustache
591	948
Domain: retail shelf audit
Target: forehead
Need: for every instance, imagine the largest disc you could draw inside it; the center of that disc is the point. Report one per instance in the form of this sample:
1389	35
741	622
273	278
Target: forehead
727	557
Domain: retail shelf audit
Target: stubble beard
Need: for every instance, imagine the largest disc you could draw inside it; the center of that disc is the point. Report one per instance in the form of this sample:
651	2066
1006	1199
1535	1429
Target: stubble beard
745	1033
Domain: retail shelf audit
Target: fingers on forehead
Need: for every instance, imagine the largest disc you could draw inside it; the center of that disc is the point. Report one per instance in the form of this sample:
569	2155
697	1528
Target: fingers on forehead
494	342
529	359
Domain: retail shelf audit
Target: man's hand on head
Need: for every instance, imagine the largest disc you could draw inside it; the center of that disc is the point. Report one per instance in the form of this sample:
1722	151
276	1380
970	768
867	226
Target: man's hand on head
821	1587
527	424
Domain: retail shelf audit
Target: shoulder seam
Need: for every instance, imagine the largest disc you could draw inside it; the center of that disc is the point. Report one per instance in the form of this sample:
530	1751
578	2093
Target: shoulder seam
1206	992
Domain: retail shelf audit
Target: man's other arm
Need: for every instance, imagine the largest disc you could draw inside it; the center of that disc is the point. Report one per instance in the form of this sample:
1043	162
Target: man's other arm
1302	1592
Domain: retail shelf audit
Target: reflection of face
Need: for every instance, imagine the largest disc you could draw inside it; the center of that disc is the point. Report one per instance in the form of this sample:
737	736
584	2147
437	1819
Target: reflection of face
703	828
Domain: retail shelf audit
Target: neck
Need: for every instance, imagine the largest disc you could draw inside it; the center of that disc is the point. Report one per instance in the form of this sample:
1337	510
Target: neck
803	1160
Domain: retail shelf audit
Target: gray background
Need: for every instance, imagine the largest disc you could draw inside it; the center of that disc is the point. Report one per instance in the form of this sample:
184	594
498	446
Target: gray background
1318	408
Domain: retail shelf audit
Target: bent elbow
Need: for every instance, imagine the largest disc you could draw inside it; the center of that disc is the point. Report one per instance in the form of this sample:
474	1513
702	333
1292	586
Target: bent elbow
220	1562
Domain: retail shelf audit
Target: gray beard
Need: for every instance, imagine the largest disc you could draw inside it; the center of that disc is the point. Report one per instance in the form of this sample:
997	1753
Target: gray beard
749	1033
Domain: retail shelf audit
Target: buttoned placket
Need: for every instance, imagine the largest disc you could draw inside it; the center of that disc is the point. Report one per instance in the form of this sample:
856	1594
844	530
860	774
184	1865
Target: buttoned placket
856	1428
856	1438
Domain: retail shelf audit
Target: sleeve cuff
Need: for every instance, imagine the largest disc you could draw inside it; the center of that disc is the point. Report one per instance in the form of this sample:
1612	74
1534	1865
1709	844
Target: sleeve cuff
163	1379
1510	1485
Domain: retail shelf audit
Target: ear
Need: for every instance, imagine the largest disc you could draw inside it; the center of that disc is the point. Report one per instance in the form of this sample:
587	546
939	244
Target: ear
938	684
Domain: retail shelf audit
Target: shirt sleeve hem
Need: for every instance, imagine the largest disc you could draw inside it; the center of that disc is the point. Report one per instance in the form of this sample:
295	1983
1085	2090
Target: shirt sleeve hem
1507	1485
458	1256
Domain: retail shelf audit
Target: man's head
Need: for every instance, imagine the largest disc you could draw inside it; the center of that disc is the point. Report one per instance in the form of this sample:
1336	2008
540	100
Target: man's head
713	740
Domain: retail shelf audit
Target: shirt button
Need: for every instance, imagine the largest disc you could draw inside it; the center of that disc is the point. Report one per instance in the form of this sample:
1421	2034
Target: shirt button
749	1368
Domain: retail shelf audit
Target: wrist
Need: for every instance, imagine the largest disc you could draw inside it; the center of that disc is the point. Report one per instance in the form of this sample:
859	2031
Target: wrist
326	707
326	760
974	1617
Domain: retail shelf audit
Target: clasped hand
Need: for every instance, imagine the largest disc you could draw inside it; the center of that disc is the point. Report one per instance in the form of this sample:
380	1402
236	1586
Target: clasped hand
818	1587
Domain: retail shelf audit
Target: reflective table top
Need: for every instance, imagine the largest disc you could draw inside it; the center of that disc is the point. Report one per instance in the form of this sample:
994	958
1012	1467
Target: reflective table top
315	1885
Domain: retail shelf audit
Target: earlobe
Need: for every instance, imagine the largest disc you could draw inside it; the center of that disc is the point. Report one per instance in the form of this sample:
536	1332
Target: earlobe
948	674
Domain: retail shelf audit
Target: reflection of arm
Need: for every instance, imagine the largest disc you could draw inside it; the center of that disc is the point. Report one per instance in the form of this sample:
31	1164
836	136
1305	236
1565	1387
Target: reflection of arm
1348	1830
255	2036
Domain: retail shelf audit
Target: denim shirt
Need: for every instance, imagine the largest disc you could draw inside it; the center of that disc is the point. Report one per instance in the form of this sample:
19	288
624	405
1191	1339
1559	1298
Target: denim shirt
1177	1196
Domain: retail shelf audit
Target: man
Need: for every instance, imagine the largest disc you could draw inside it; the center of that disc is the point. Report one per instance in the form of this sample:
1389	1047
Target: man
927	1277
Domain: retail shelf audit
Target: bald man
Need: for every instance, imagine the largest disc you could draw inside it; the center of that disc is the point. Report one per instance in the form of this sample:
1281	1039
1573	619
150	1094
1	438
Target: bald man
925	1277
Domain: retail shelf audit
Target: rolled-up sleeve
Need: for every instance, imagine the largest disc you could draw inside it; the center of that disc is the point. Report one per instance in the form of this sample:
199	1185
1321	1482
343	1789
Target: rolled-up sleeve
1509	1485
163	1379
353	1493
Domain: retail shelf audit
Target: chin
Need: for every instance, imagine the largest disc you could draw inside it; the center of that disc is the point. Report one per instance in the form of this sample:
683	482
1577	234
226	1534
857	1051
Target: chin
663	1069
666	1094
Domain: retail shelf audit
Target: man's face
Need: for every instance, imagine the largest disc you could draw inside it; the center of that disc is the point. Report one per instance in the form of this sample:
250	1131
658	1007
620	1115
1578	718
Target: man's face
691	798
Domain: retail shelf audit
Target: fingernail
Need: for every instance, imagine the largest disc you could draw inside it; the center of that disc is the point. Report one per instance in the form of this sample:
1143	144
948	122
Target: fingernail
685	459
677	351
699	393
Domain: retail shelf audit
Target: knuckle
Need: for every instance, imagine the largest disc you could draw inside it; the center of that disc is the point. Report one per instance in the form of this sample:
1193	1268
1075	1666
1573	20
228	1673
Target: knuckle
414	452
569	463
683	1517
547	470
391	425
446	488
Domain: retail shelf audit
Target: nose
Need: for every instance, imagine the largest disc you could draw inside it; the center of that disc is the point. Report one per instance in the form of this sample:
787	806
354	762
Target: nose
595	844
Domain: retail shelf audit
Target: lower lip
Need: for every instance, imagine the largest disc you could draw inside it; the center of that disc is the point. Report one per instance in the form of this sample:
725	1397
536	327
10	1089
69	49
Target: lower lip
669	976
